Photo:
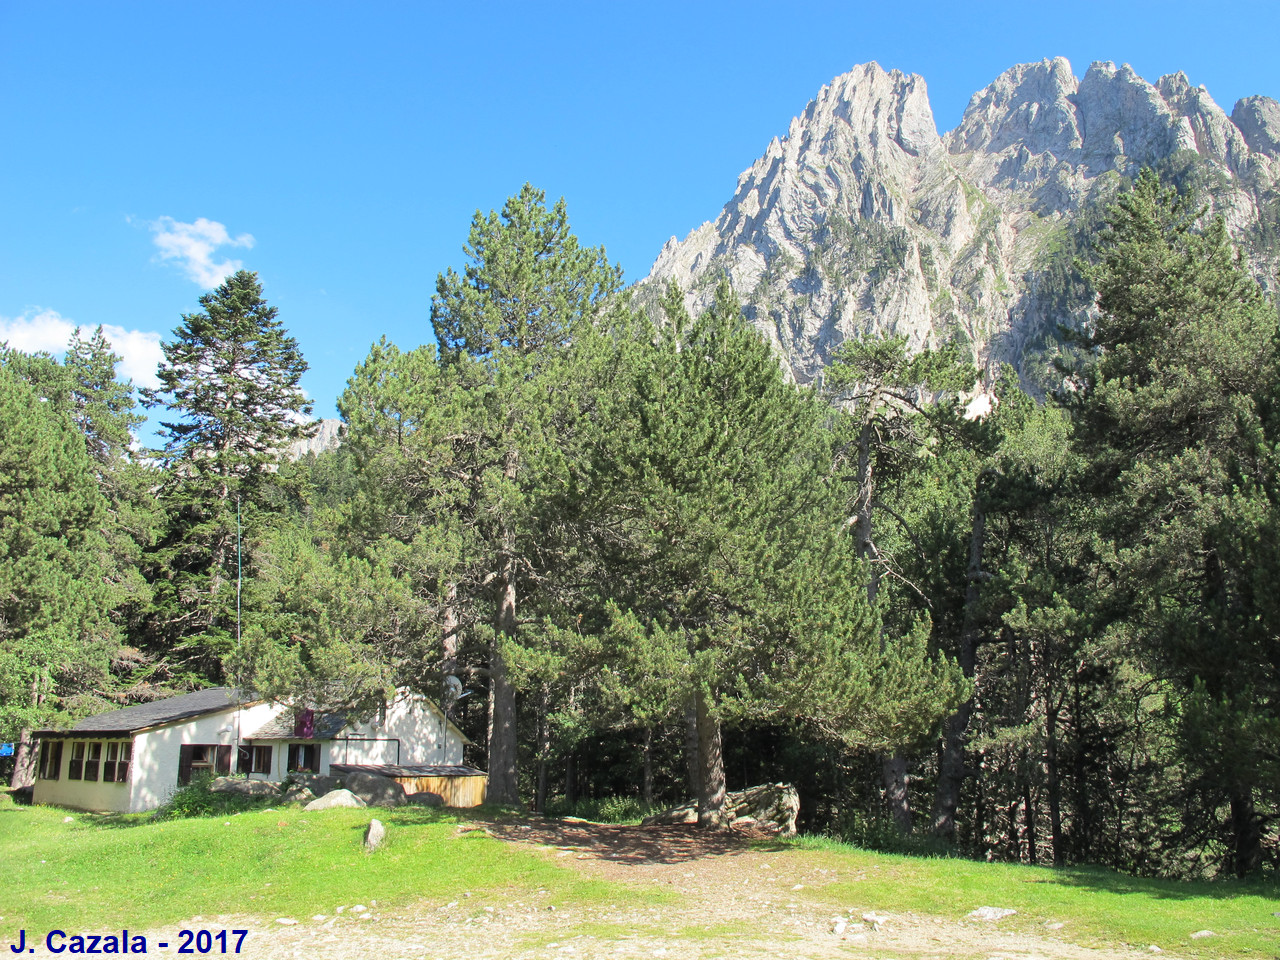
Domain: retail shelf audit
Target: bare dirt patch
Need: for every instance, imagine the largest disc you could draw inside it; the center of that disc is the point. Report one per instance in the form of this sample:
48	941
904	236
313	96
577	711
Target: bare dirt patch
727	895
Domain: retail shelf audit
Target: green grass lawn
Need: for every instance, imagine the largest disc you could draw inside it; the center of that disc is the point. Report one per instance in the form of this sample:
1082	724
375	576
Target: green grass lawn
100	872
1095	906
107	871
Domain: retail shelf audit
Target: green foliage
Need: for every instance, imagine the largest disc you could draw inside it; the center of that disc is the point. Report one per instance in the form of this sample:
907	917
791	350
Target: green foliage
195	799
229	381
1175	416
56	641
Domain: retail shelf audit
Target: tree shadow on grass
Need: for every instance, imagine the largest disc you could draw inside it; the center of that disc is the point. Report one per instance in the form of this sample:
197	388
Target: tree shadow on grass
628	844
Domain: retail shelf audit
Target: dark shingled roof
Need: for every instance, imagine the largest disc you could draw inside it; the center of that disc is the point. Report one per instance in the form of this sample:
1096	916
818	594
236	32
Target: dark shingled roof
328	725
144	715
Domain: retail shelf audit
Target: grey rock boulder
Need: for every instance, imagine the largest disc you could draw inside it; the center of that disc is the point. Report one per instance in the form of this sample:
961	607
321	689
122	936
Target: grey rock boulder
297	793
771	807
374	790
374	834
317	783
336	798
245	788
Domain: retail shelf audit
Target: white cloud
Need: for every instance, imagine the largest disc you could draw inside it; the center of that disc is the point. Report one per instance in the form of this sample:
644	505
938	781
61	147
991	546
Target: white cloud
48	330
193	245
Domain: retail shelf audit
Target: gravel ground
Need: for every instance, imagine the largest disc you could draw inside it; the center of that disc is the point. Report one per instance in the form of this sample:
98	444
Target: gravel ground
734	901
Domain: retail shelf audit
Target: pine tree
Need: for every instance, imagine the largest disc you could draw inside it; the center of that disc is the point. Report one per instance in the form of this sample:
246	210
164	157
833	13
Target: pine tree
56	640
737	586
1176	417
229	381
514	329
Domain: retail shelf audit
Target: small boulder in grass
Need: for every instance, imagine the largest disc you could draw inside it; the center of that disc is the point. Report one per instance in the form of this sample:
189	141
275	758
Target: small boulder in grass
991	913
374	834
336	798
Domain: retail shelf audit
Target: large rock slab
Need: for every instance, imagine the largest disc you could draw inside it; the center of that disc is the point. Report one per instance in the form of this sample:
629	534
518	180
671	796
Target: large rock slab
245	788
374	790
317	783
336	798
770	806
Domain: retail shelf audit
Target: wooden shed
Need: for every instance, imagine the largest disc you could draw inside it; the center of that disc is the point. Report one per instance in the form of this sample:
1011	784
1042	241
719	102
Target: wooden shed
458	785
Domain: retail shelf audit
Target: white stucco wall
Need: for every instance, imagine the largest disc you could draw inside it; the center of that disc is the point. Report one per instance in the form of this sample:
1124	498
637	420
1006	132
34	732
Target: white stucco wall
424	734
84	794
154	775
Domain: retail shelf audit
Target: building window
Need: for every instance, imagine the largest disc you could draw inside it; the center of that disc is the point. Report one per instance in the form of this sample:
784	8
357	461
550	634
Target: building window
75	769
304	758
194	759
50	759
92	761
252	759
115	769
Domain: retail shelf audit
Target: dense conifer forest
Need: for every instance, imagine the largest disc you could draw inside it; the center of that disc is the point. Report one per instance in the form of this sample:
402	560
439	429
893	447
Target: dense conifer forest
632	560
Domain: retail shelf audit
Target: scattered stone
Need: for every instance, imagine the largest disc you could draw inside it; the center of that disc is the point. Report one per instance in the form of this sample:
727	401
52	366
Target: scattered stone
1154	949
336	798
374	790
374	834
287	921
359	908
798	886
839	926
68	819
1056	925
875	919
991	913
242	787
320	916
1202	934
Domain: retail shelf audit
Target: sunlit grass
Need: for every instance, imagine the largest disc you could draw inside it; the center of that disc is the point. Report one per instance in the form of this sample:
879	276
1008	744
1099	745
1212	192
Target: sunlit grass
1094	906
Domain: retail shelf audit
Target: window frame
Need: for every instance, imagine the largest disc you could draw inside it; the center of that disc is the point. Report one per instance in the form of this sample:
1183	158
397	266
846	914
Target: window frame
50	759
93	761
297	755
75	766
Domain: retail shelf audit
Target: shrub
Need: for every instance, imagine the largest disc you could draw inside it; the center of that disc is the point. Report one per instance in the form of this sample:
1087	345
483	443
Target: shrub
197	800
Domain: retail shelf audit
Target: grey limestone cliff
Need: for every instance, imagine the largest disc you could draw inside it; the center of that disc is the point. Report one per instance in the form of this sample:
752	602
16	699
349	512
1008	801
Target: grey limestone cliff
864	219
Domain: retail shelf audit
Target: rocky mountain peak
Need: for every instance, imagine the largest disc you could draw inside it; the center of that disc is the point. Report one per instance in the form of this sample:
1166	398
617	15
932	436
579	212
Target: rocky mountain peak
863	219
1258	120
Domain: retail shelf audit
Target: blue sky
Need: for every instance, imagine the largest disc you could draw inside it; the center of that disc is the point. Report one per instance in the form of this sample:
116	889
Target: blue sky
340	150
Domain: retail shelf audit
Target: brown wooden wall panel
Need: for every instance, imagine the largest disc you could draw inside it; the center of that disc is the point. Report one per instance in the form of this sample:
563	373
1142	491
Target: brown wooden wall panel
456	791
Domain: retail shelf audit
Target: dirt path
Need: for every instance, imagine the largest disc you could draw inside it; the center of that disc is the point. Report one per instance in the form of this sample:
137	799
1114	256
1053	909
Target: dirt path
734	901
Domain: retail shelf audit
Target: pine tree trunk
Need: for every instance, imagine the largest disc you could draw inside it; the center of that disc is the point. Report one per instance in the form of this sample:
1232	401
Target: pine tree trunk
1029	819
711	789
449	640
951	768
1246	831
544	752
893	769
646	788
1054	783
504	783
24	761
691	746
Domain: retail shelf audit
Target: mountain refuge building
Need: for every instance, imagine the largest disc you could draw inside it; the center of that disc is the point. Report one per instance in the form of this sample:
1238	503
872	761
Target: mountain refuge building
133	759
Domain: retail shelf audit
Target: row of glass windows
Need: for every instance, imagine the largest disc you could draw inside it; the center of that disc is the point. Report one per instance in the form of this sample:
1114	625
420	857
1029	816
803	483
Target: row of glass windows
94	760
90	760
